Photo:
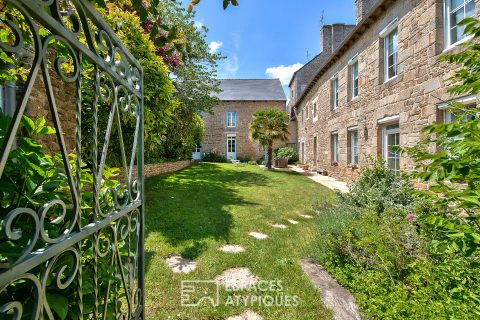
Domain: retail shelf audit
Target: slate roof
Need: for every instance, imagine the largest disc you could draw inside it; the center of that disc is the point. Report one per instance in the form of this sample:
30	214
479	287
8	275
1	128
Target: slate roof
251	90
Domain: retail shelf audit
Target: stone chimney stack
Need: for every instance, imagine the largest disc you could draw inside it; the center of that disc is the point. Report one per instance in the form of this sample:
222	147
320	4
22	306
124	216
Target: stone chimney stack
363	7
326	39
340	32
331	36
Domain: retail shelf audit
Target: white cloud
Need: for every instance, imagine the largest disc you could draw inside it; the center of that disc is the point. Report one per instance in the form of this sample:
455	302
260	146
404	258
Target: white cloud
229	67
198	24
284	73
214	46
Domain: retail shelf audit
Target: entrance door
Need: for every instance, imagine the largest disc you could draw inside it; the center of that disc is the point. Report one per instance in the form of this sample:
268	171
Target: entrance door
231	148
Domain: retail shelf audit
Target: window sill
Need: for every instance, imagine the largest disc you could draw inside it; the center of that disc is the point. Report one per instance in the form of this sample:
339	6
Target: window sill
391	82
390	79
457	44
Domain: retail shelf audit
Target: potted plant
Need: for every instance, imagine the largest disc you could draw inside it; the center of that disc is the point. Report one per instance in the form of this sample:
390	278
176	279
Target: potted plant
335	163
353	166
282	155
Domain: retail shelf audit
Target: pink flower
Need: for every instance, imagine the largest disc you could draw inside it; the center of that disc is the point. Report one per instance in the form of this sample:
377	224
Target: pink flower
411	217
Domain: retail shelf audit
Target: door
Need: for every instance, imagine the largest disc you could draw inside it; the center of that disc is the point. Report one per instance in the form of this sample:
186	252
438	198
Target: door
197	154
315	151
231	148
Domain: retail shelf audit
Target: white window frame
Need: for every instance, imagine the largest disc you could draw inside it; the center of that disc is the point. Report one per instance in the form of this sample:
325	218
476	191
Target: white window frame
385	133
353	65
335	92
198	147
315	110
447	22
335	146
391	37
354	148
231	119
306	110
355	80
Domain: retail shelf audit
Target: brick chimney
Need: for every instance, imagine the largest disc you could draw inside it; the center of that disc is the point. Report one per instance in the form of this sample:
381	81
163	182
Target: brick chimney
363	7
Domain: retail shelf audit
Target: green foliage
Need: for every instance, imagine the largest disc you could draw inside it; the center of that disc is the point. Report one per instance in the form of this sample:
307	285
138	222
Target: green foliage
32	178
375	242
252	163
453	171
378	188
244	159
213	156
268	126
286	152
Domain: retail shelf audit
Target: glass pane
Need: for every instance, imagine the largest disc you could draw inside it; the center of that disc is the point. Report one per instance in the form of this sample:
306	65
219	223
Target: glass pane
392	163
470	9
455	4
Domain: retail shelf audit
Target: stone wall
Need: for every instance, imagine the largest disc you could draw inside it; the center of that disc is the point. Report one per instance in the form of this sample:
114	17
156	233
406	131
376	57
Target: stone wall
412	98
155	169
65	99
216	131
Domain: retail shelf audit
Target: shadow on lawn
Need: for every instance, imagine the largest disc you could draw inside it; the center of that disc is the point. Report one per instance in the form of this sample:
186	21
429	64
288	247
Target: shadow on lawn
190	206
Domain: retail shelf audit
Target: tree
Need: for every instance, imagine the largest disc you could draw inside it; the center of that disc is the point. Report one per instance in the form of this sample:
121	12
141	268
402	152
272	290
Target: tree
195	76
453	172
268	126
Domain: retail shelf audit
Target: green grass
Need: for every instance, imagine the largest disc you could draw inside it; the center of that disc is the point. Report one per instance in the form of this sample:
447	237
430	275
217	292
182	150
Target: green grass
195	211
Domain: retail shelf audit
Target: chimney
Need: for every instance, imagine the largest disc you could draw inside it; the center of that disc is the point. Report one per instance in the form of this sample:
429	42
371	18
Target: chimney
340	32
363	7
326	39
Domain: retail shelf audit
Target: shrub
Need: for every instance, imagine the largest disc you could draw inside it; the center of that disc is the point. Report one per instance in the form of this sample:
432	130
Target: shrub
244	159
286	152
214	156
253	163
374	241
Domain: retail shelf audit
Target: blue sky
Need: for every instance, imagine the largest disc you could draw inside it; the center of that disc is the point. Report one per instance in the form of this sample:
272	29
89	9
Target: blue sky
261	35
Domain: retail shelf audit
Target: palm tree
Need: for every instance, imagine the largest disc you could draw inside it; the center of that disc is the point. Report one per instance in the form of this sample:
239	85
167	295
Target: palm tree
268	126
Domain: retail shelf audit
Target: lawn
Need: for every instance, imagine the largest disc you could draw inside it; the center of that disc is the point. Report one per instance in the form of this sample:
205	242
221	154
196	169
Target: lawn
195	211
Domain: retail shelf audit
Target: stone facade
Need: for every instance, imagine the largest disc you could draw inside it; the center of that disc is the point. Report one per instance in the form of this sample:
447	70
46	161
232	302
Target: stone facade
412	99
216	130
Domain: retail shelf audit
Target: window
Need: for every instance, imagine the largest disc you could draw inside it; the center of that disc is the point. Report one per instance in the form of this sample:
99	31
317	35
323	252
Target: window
450	116
315	110
354	147
306	110
334	142
391	138
303	117
354	79
335	92
456	11
391	54
231	119
198	147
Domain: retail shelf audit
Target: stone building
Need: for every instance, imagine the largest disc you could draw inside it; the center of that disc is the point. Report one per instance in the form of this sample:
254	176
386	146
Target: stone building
227	128
380	86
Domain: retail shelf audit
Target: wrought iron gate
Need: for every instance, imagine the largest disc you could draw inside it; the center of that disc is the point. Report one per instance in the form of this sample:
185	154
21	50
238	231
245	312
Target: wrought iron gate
71	230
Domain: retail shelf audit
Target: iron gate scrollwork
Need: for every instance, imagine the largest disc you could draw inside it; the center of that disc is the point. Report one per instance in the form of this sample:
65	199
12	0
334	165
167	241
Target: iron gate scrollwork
71	226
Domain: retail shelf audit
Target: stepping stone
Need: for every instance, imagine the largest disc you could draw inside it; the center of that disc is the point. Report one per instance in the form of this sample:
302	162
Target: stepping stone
306	216
293	221
334	296
180	265
237	278
258	235
279	226
247	315
232	248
